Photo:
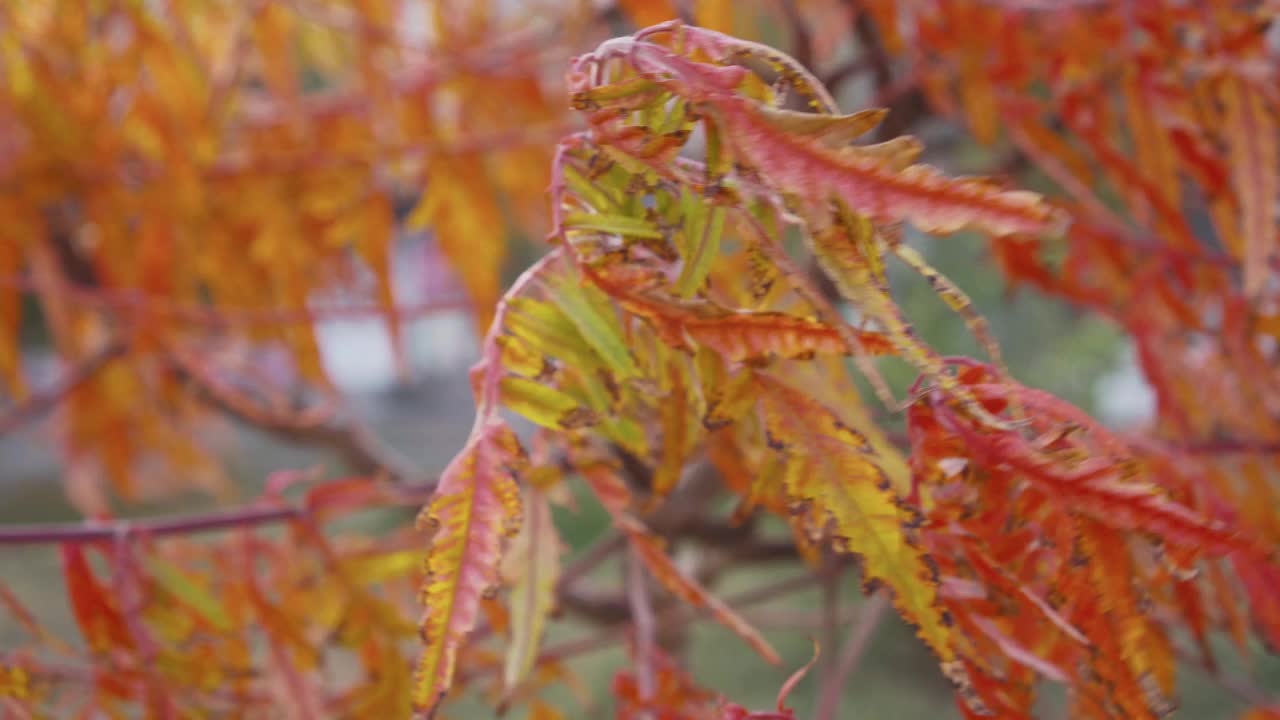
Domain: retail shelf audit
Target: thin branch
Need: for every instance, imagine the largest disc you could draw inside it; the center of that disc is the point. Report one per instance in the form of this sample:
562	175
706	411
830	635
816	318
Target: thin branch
142	307
90	531
42	402
841	73
801	37
361	449
855	647
1228	447
604	608
646	630
798	619
604	639
193	524
830	618
591	558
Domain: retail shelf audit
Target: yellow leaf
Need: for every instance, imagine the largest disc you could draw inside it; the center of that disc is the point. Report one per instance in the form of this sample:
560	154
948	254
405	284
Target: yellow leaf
833	131
533	568
715	15
587	308
15	682
548	331
459	207
831	470
547	406
676	431
188	590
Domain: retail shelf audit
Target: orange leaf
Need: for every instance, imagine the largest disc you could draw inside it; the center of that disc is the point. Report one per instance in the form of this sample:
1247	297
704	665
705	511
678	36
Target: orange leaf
1250	131
460	208
648	12
93	604
873	186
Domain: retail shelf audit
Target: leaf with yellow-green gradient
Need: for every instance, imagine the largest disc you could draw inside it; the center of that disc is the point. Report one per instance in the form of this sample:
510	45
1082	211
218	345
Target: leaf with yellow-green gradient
533	567
475	508
460	208
831	470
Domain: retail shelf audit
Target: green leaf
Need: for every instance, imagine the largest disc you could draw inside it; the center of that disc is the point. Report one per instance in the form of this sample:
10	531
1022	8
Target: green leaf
616	224
600	330
545	405
533	564
703	250
544	329
176	582
830	130
595	194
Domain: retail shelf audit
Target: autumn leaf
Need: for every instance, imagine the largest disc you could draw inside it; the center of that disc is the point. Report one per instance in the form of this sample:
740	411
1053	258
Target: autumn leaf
475	507
832	475
459	206
532	566
1252	140
805	166
96	612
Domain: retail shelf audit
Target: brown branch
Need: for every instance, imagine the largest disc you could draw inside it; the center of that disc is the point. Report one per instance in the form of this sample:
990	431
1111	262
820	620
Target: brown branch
646	631
902	96
798	619
215	521
801	37
838	75
141	307
363	452
182	525
593	605
830	617
42	402
591	558
675	614
855	647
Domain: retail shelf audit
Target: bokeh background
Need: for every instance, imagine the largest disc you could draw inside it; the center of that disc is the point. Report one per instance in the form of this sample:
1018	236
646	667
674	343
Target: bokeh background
493	117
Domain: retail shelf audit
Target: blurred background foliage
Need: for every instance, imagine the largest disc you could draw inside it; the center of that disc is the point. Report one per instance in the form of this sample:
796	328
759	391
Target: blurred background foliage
1048	344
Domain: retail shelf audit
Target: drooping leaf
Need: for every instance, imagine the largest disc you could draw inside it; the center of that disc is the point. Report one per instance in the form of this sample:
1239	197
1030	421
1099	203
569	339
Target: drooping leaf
921	194
475	507
533	566
831	473
459	207
1255	167
93	604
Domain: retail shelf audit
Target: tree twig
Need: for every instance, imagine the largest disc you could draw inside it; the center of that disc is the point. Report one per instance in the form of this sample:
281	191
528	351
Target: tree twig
42	402
600	640
218	520
363	452
830	617
801	37
591	558
855	646
646	631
